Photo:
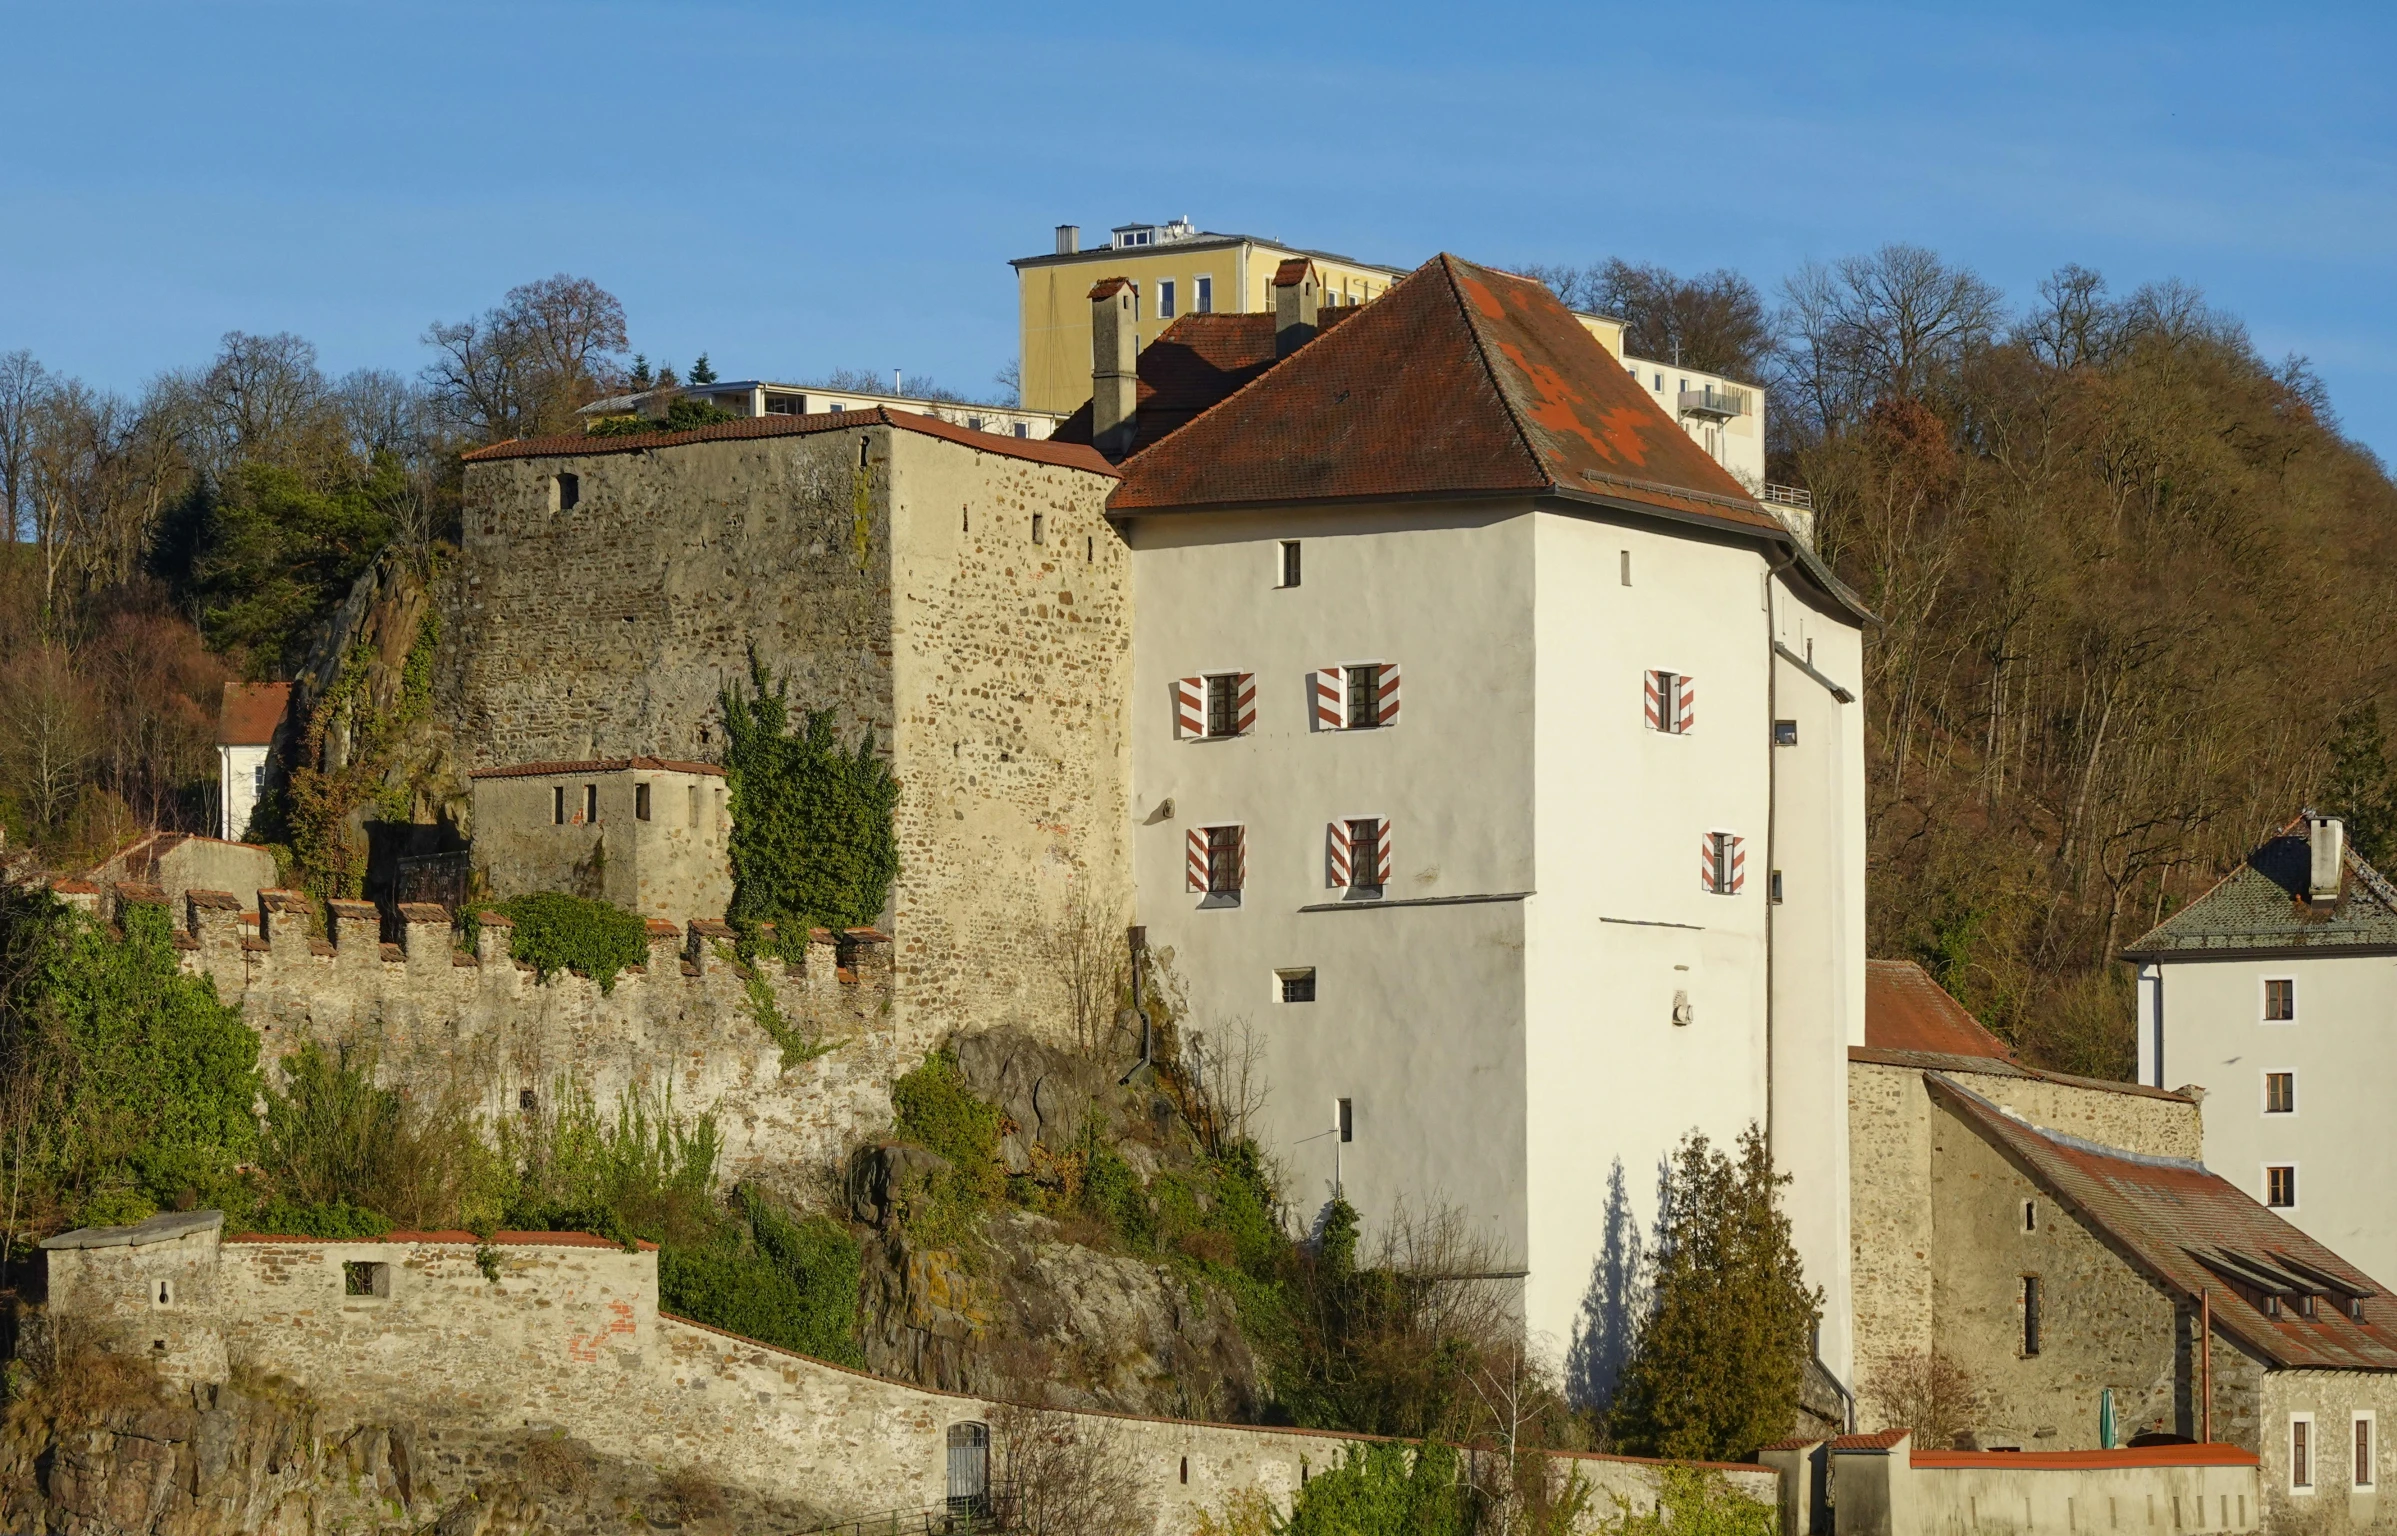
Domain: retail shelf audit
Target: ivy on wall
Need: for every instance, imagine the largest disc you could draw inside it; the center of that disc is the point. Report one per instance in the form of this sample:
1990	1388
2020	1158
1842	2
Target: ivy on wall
812	837
556	932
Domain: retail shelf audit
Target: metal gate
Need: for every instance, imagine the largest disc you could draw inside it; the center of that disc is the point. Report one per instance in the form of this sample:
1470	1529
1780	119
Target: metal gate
435	877
969	1470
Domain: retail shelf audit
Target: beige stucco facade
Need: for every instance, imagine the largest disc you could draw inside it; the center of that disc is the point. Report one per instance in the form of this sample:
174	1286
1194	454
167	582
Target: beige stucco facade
648	836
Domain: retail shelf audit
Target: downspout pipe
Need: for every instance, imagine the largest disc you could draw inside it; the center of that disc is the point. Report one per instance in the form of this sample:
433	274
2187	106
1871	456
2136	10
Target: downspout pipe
1772	858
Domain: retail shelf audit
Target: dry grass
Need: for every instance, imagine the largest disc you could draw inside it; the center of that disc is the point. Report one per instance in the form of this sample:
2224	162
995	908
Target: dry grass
696	1496
554	1464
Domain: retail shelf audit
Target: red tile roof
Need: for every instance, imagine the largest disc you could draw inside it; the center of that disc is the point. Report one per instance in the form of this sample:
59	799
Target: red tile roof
596	765
250	712
577	445
1461	381
2180	1224
1193	365
1905	1010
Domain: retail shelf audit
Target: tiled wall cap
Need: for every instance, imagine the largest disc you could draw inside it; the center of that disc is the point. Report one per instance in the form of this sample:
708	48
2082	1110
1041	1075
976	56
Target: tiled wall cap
222	901
423	912
141	895
495	920
360	910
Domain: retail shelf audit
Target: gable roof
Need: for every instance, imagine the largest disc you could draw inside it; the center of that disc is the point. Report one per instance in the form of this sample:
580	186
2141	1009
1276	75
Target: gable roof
2262	906
251	713
576	445
1905	1010
1460	381
1194	363
2189	1230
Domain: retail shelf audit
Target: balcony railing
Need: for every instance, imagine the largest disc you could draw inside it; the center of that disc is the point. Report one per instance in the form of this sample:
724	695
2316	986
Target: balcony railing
1711	400
1790	496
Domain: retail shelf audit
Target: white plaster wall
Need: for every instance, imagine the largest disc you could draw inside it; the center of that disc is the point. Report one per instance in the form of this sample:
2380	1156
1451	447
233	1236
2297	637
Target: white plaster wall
1419	1008
237	771
1739	442
2344	1052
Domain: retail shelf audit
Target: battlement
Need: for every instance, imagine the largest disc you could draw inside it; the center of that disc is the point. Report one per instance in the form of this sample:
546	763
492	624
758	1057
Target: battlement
795	1058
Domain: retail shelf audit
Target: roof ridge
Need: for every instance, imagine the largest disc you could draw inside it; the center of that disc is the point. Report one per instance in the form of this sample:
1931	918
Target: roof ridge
1481	351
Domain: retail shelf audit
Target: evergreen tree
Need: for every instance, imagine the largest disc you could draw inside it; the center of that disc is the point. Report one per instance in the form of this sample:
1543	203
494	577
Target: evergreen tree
701	373
1721	1356
641	377
2362	786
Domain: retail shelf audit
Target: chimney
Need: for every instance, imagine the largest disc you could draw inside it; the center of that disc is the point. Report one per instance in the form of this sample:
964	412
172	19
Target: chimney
1296	293
1114	366
1069	239
2328	835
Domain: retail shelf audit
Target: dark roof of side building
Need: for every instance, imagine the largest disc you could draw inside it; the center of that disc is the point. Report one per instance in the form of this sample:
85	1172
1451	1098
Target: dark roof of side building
1905	1010
1196	362
2261	907
577	445
2189	1230
251	713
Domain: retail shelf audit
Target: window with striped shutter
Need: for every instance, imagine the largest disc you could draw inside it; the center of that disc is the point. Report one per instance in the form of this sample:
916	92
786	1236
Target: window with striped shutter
1357	851
1335	840
1722	864
1245	719
1216	860
1671	702
1389	695
1190	708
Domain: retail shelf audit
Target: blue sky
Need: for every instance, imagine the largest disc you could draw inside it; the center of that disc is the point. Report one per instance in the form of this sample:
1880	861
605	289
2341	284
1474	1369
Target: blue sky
792	188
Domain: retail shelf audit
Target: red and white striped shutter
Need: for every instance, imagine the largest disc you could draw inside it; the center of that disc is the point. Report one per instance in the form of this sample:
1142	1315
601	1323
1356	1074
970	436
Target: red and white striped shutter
1329	715
1336	851
1739	864
1240	858
1389	709
1687	706
1196	858
1190	708
1655	699
1247	718
1706	864
1381	873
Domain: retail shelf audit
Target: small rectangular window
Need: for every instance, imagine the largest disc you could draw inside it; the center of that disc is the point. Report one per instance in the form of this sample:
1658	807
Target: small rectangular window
1776	886
1037	529
1785	733
640	802
1023	429
2367	1470
1364	697
2030	1215
590	805
1289	562
1165	298
2280	1000
1627	567
564	492
557	805
2280	1188
365	1279
694	807
2301	1453
1348	1119
2280	1093
1223	861
258	778
1298	986
2030	1315
1202	296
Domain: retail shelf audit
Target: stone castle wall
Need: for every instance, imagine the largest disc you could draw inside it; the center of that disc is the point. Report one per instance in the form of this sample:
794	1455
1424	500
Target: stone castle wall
894	578
565	1333
484	1026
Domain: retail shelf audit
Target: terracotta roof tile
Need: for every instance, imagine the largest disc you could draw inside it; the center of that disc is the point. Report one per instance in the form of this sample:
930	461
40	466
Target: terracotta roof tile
250	713
577	445
2169	1216
596	765
1194	364
1905	1010
1461	381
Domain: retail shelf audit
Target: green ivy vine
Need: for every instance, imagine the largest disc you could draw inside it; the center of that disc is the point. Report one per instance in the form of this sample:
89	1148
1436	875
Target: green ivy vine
813	843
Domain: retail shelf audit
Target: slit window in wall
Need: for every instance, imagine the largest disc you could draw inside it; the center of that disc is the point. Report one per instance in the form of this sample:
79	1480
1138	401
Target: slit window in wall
2367	1466
1185	1469
162	1293
557	805
360	1279
2032	1297
1289	563
1090	548
718	825
1297	984
2280	1186
1627	567
640	802
1774	885
2030	1215
1346	1112
694	807
2280	1093
590	805
2301	1452
2280	1000
862	444
564	492
1037	529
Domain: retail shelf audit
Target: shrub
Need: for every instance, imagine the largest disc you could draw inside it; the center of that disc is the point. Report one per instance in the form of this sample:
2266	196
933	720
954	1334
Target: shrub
781	1279
556	932
336	1143
812	839
1385	1490
334	1219
647	1174
1694	1501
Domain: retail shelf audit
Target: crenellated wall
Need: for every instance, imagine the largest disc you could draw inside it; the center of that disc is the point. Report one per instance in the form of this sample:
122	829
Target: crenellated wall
443	1020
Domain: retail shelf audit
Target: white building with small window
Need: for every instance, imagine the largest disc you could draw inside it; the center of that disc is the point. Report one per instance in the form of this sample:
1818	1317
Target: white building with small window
1498	772
249	723
2274	993
651	835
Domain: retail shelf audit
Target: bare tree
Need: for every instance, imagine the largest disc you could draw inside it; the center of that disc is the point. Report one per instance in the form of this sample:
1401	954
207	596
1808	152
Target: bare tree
1226	1071
1715	321
23	384
525	367
1928	1391
1894	323
1061	1475
1086	952
48	732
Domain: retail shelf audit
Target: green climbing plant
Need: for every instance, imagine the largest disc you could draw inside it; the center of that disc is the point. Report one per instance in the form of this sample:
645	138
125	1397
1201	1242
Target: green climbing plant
812	838
556	932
